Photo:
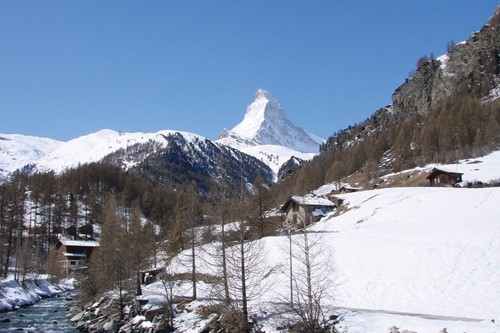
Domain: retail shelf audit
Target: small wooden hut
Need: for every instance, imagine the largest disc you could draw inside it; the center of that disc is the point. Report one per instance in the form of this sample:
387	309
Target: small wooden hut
439	177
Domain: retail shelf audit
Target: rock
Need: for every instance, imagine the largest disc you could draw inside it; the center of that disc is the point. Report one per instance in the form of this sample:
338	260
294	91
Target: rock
127	328
151	314
163	330
289	167
471	68
394	329
5	320
443	330
108	326
77	317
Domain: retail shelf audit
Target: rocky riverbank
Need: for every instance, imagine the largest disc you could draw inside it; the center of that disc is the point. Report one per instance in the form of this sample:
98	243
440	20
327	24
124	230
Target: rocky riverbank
104	316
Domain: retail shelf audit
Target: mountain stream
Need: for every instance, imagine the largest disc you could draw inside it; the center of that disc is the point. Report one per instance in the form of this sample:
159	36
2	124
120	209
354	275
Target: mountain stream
48	315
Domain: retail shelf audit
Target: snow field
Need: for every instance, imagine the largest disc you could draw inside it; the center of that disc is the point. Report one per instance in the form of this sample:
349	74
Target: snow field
433	251
419	250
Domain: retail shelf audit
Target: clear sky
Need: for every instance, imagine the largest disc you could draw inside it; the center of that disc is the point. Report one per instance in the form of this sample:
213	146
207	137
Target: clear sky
70	68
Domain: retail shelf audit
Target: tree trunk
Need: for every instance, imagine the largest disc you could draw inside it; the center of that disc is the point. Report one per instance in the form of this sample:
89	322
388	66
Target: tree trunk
227	298
243	280
193	262
9	246
138	282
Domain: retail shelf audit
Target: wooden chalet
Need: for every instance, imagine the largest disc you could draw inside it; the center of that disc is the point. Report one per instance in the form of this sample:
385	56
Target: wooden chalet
74	254
439	177
304	210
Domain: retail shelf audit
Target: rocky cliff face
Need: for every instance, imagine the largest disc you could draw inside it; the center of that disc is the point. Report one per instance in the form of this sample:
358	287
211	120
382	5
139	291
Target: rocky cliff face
289	167
471	68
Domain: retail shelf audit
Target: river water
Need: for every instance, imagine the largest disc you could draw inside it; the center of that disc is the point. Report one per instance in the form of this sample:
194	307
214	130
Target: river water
48	315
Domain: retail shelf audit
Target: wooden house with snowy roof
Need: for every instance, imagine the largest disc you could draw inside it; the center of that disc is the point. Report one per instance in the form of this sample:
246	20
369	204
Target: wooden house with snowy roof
304	210
74	254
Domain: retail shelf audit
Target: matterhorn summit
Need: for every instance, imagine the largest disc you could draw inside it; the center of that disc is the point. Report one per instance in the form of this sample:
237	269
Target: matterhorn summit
266	134
265	124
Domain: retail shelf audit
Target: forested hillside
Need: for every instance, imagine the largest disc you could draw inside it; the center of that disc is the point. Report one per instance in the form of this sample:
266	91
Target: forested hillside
459	127
36	208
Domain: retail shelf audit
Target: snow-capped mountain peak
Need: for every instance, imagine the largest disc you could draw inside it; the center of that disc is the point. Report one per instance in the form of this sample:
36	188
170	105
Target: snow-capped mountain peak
265	123
263	111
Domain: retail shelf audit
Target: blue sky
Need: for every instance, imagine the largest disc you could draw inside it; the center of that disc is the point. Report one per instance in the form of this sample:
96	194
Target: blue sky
70	68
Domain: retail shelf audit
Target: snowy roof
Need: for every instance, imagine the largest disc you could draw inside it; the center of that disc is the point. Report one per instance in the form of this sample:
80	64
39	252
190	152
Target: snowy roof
309	201
79	255
78	243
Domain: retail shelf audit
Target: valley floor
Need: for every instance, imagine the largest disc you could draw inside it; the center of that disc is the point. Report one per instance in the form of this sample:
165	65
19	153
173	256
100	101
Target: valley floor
421	259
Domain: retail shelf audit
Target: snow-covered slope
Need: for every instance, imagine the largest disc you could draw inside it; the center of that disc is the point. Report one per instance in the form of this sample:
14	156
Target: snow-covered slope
420	250
399	255
419	258
95	146
267	134
272	155
18	150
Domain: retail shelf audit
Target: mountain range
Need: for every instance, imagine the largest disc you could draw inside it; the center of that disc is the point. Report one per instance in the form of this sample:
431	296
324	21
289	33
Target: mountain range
429	120
265	135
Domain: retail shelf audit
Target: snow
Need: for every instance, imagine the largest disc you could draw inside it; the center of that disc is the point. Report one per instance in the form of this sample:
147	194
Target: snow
14	295
264	133
494	93
265	124
443	59
18	150
267	135
328	188
272	155
419	250
95	146
255	115
312	201
69	242
418	258
485	169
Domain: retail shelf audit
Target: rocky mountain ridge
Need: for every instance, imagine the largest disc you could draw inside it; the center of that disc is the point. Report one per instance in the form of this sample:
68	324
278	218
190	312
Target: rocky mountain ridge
470	68
184	160
264	134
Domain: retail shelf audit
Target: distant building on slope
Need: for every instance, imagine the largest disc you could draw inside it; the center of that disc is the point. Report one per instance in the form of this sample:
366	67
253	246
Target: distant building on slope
439	177
304	210
348	189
